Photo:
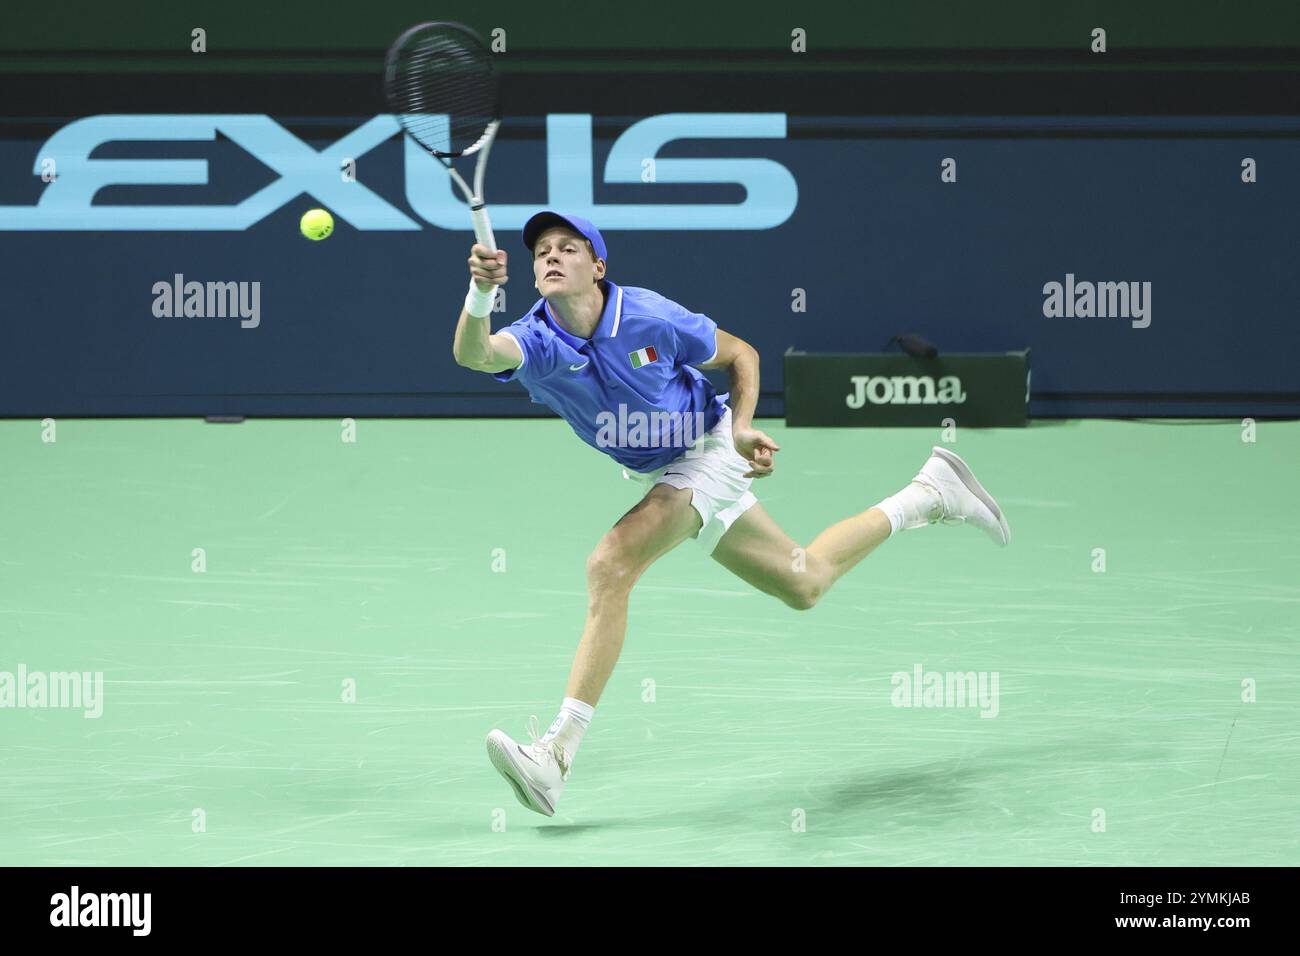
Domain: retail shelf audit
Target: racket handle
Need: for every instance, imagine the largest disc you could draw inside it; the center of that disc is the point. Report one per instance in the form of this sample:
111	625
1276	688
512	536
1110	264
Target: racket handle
483	227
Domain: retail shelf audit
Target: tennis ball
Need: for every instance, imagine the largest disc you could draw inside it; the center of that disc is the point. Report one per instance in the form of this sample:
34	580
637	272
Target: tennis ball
316	224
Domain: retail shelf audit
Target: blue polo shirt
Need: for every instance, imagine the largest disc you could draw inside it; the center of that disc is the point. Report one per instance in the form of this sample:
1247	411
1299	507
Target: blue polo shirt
630	390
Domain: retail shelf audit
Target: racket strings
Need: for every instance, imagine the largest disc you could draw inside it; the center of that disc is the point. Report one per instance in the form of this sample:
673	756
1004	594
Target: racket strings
442	87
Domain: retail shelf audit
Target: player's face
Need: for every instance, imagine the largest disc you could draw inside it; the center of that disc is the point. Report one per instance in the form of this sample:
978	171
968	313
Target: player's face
563	263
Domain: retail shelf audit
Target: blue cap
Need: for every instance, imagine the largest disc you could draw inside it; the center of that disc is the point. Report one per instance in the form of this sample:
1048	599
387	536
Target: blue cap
535	226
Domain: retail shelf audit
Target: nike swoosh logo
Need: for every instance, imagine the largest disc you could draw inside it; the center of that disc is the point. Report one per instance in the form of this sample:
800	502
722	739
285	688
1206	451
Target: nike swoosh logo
527	754
579	368
667	473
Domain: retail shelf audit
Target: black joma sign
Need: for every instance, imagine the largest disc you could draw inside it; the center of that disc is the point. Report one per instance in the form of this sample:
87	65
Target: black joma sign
880	390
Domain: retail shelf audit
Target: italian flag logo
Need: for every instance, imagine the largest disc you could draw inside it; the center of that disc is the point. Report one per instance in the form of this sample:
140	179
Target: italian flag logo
643	356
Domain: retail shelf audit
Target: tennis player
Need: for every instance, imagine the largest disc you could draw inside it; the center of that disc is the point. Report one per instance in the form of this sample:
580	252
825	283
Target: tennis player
622	366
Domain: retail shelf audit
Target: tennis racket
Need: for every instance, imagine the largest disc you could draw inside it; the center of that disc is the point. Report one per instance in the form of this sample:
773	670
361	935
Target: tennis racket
442	86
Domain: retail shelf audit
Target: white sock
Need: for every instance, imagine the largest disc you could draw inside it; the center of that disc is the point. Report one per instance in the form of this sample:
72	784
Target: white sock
569	726
915	506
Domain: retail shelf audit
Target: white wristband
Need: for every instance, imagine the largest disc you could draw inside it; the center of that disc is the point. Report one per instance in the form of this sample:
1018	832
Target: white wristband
477	302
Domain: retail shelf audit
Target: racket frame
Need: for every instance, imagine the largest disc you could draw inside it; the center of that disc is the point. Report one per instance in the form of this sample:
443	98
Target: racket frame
482	147
474	196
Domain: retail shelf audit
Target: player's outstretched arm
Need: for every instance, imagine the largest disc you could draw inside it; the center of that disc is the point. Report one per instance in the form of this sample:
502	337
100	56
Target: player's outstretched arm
474	345
741	361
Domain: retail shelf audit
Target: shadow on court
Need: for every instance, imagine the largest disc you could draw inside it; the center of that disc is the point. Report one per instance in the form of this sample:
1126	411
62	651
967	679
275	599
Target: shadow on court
944	790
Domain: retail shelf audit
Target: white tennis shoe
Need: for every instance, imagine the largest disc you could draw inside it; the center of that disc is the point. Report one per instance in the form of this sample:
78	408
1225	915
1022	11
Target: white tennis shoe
536	773
964	499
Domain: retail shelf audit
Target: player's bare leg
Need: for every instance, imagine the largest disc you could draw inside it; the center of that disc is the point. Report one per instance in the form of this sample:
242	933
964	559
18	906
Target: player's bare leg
663	519
758	551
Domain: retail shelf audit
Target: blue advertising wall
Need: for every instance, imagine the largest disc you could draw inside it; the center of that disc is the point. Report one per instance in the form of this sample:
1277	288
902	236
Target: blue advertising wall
850	210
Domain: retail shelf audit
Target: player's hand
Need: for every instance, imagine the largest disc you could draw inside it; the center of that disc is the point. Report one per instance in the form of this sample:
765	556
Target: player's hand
487	270
757	449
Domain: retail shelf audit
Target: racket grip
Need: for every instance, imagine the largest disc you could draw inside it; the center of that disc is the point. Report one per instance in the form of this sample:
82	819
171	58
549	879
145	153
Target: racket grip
483	227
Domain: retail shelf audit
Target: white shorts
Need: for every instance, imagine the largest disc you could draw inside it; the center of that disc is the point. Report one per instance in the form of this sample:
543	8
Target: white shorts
715	474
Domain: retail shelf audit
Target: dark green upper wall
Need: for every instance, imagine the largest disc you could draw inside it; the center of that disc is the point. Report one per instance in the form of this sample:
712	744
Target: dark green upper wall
150	26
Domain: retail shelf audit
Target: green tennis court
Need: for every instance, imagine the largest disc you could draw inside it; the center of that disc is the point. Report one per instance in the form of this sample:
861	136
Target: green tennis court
1144	714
